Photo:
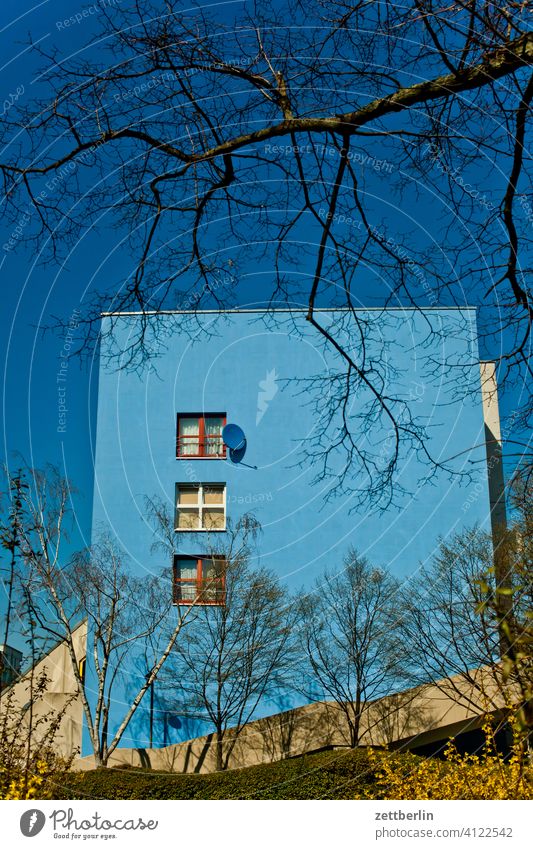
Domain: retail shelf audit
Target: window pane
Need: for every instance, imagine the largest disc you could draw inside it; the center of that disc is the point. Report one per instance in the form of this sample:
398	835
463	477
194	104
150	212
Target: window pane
212	567
213	580
189	447
214	519
188	495
188	519
186	568
186	579
189	426
189	431
187	591
213	435
213	592
213	495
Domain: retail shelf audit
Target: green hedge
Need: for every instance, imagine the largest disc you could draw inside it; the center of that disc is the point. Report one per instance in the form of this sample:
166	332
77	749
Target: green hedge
338	774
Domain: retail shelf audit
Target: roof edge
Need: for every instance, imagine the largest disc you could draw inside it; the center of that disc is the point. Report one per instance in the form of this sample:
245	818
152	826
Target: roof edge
107	314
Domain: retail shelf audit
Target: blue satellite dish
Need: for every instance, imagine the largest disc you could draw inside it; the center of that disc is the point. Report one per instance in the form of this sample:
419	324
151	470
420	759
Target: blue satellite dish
233	436
237	454
174	722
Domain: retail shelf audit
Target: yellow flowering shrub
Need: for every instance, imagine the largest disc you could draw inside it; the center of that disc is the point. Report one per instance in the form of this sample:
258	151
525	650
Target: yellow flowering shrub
459	776
30	767
37	779
19	788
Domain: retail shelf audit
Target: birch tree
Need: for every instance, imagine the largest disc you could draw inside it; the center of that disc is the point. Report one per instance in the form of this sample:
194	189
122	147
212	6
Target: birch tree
126	613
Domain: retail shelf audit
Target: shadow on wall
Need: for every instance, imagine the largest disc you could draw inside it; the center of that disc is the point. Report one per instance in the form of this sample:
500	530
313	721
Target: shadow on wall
415	718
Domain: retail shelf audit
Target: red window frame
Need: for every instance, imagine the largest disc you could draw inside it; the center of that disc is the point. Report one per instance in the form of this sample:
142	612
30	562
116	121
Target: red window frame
201	436
218	584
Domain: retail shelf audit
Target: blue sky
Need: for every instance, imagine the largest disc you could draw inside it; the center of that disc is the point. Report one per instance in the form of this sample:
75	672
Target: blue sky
31	294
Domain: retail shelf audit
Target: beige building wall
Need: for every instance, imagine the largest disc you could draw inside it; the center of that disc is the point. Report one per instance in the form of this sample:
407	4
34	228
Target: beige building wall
61	693
493	442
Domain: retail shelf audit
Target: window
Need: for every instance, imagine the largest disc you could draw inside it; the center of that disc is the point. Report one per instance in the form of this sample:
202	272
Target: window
200	507
200	435
199	579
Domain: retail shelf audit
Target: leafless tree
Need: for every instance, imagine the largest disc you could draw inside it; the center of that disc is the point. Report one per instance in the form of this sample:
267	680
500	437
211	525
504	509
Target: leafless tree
469	633
350	640
126	613
219	145
10	523
239	649
27	743
512	603
448	640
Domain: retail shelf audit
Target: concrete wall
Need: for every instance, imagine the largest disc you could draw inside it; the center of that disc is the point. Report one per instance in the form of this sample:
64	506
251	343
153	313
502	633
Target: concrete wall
61	695
493	437
406	720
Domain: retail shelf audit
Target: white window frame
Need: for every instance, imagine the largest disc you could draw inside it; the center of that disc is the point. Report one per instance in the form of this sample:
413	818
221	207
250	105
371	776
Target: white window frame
201	506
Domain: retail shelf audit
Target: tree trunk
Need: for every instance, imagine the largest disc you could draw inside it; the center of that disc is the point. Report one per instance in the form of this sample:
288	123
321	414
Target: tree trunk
355	725
219	749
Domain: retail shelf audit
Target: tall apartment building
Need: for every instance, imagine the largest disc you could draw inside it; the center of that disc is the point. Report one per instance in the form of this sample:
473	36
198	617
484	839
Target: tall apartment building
159	434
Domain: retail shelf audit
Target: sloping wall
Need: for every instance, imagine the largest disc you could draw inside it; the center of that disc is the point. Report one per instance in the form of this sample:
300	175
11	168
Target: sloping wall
410	719
61	693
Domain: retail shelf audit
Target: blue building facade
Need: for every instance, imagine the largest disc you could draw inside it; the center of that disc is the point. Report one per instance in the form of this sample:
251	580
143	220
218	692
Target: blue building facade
158	436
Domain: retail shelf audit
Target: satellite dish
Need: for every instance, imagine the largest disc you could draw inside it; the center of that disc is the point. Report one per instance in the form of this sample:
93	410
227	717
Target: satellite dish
174	722
233	436
237	454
